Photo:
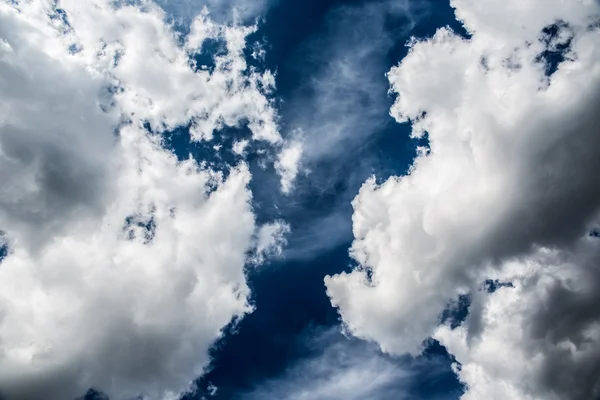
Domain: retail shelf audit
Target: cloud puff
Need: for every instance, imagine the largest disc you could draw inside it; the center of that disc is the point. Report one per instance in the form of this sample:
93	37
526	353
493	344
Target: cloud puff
509	173
269	241
288	164
123	262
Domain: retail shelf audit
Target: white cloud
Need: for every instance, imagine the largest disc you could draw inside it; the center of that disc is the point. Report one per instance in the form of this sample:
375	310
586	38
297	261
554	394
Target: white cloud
510	171
124	262
288	164
270	240
239	147
141	53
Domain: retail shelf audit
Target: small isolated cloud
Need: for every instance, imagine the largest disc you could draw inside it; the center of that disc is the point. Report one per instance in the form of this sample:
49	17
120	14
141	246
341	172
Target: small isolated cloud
120	263
270	240
508	189
239	147
288	165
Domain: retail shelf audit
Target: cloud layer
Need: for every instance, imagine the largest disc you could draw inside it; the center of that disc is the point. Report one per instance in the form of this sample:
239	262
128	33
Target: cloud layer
124	263
506	189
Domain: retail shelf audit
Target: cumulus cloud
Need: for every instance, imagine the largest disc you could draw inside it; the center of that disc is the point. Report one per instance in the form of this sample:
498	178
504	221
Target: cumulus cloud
509	176
123	262
159	81
540	338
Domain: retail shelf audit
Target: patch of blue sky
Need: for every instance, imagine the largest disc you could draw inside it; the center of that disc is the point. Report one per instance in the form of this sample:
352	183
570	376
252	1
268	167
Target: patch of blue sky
303	41
557	39
306	44
4	248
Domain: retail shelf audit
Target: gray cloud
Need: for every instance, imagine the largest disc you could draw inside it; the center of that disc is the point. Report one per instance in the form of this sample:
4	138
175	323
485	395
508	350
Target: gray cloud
88	298
507	190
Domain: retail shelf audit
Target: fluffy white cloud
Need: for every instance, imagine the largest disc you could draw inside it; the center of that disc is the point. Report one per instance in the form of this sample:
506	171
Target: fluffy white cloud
124	263
288	164
157	82
269	241
510	173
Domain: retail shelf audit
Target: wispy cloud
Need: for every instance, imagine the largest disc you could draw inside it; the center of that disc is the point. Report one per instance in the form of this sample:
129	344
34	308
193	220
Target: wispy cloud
341	101
344	99
340	368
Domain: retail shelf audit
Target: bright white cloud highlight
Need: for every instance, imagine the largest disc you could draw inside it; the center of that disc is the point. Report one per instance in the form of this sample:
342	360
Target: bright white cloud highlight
270	240
510	174
155	80
124	263
288	164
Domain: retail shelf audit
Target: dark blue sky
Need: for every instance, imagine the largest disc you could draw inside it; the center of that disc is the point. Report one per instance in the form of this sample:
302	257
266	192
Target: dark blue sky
288	294
304	39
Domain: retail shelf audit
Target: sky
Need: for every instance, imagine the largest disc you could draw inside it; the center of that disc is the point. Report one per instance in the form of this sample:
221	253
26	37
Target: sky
305	200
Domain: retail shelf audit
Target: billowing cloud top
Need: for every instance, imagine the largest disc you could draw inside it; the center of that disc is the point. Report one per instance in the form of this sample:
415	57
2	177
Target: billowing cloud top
123	262
507	189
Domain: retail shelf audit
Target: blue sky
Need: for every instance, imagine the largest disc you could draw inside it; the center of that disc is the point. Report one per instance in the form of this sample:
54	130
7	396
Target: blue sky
291	306
303	200
292	309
